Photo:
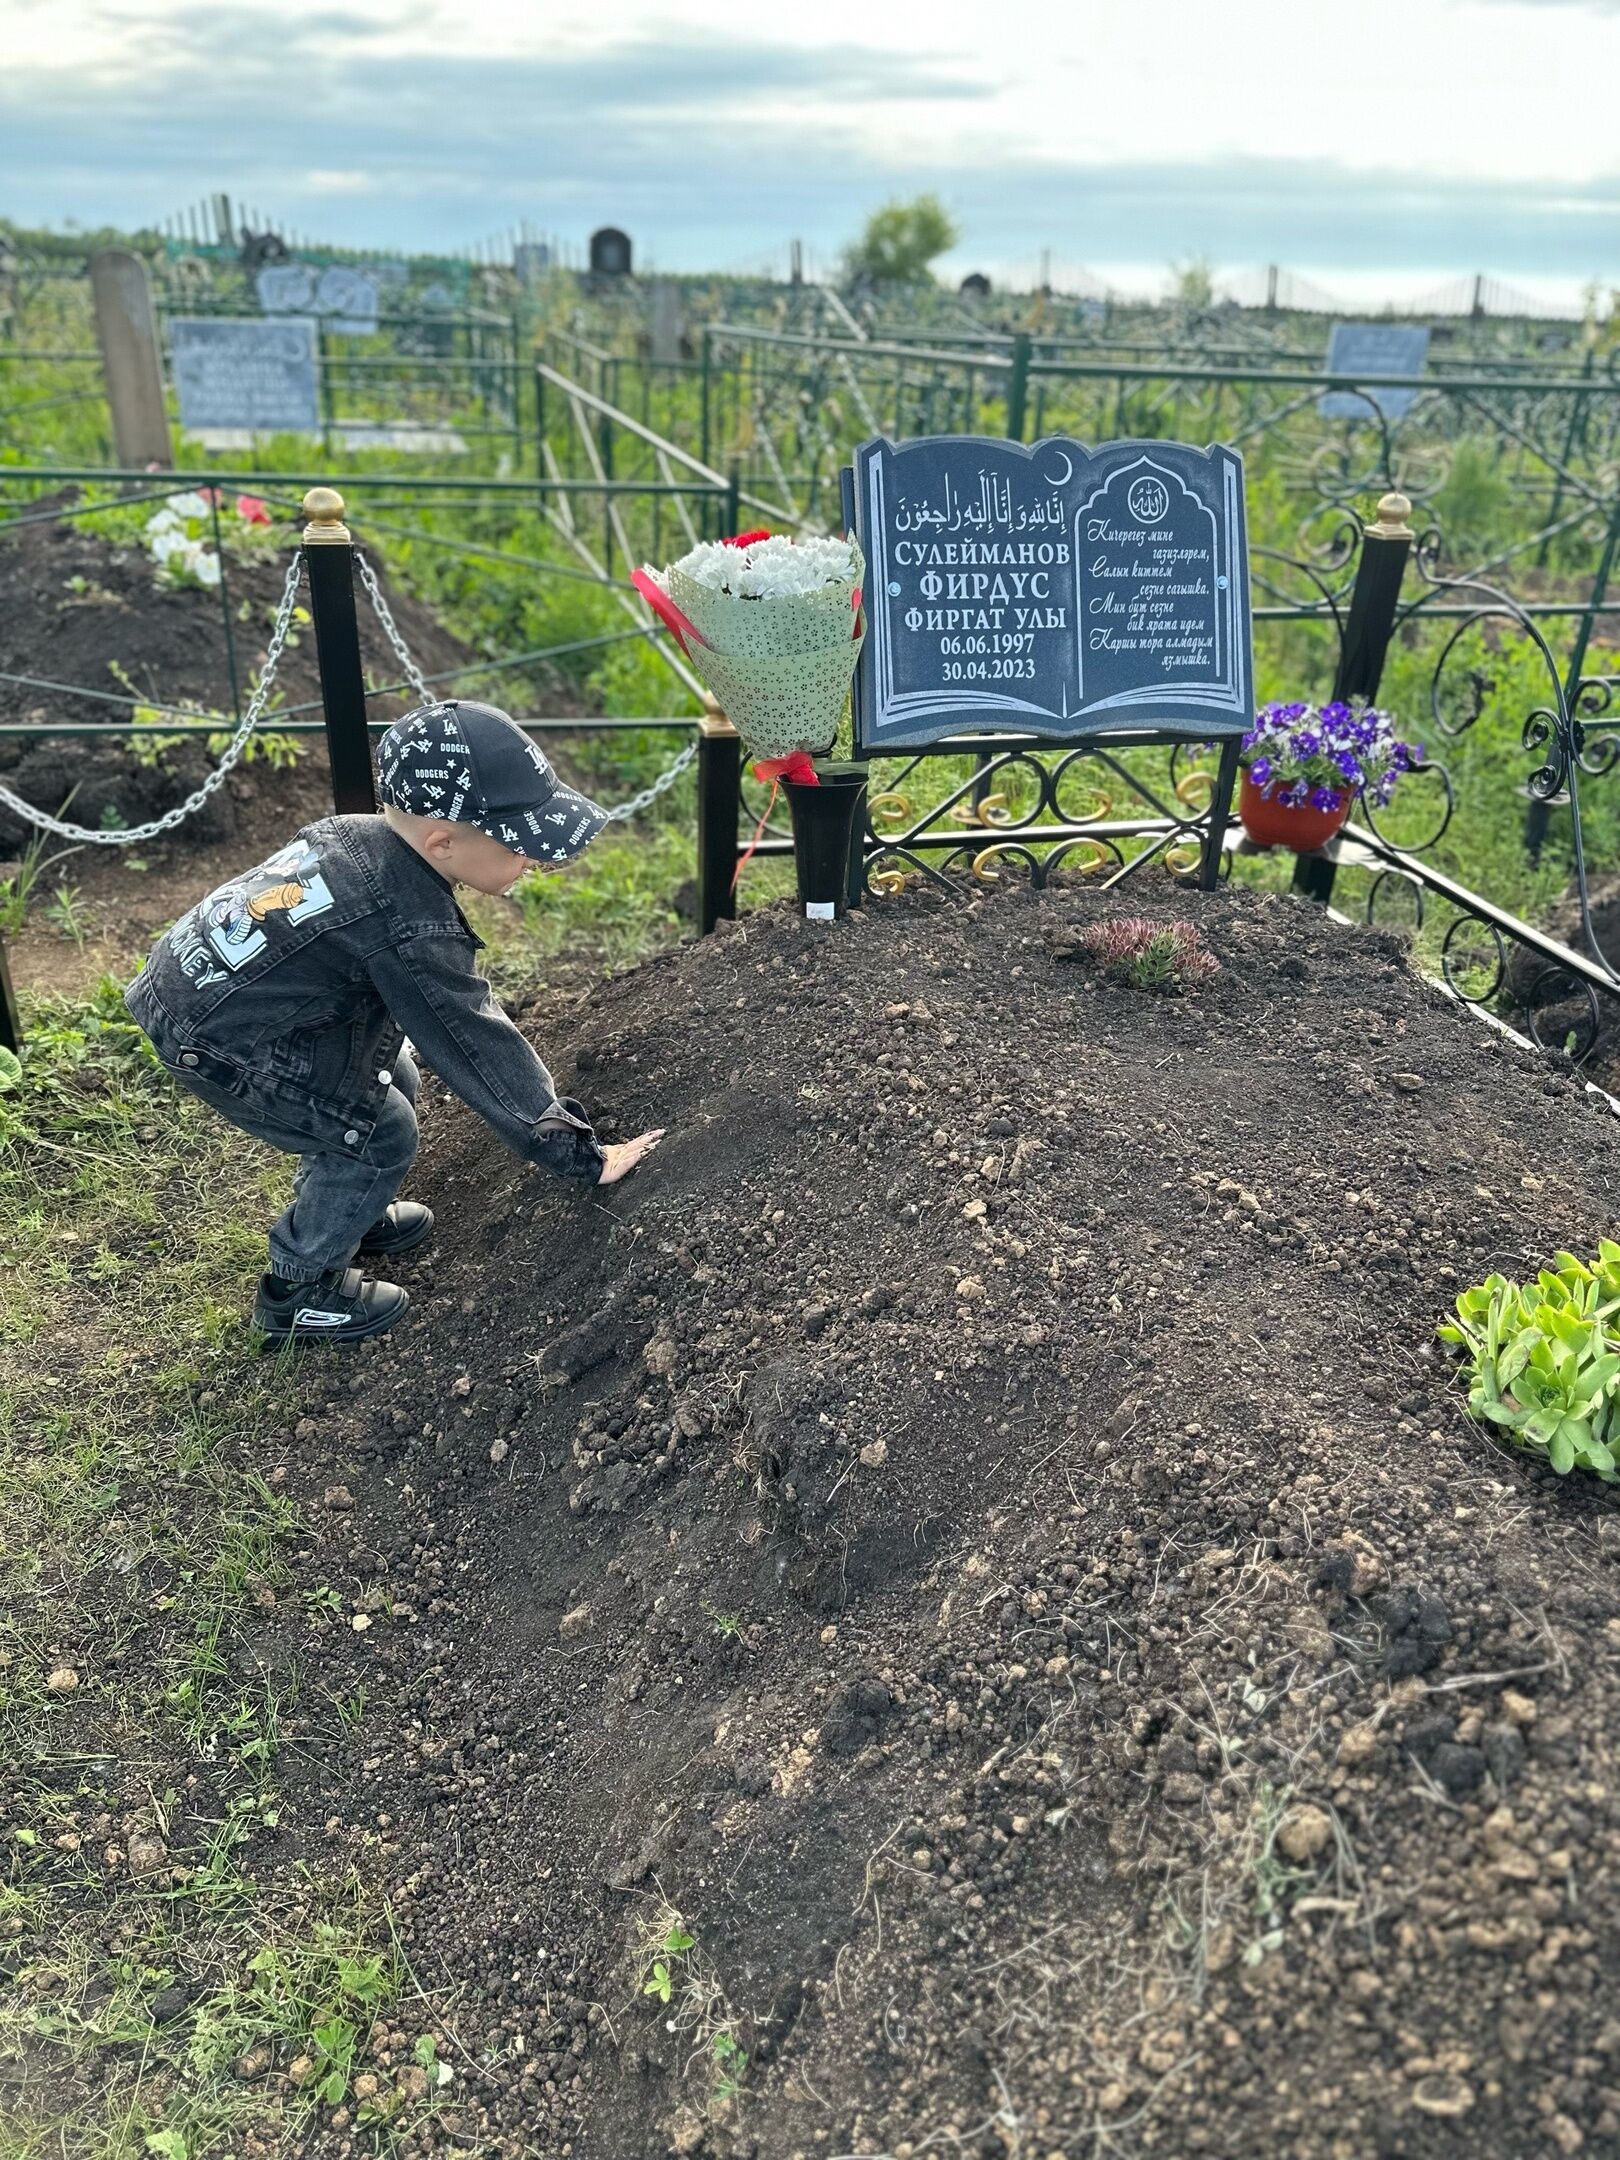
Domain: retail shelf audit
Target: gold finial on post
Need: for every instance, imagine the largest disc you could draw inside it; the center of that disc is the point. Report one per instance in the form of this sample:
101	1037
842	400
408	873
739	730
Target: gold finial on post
323	507
1392	521
714	722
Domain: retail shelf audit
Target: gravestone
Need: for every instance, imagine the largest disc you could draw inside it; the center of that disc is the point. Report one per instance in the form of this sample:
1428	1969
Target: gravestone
1373	349
610	252
347	299
238	373
286	288
531	259
126	330
975	286
1051	590
667	325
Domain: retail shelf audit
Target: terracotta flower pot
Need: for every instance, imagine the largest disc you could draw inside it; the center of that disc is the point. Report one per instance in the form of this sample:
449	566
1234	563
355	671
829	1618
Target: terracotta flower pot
1272	823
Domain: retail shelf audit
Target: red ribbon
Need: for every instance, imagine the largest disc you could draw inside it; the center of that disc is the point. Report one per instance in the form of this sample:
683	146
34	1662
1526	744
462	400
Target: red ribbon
748	539
667	612
796	766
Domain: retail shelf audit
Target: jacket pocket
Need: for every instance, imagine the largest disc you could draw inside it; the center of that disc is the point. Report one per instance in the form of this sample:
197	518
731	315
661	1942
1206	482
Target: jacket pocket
198	1061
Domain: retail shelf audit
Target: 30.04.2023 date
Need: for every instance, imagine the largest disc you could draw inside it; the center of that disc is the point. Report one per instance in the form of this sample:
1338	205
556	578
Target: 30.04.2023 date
1005	669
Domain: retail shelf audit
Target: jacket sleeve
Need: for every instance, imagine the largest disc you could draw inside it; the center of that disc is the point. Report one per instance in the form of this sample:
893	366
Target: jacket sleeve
430	986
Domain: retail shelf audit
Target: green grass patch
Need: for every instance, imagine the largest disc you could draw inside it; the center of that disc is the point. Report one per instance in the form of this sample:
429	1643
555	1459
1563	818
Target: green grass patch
172	1989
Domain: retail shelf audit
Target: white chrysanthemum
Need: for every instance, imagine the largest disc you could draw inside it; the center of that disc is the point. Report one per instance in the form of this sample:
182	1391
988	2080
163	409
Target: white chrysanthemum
188	506
204	567
773	569
165	540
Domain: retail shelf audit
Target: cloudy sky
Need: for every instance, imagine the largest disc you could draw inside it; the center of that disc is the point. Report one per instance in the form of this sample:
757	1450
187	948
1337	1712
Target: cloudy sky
1370	144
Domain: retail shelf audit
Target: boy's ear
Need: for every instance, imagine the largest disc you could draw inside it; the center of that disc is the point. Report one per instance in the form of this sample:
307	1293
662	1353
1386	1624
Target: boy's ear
440	839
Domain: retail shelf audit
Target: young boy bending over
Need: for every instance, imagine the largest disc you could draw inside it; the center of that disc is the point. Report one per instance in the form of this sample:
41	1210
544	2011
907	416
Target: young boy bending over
285	1000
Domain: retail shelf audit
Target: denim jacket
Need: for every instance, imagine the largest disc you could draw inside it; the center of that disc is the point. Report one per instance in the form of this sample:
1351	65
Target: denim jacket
301	978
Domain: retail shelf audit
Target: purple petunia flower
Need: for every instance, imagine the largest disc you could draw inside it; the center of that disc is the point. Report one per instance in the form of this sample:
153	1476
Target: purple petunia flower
1260	771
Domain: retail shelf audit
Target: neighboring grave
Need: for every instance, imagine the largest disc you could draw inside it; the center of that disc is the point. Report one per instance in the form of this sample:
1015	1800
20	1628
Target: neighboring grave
241	373
126	330
610	252
531	259
345	299
668	324
1051	590
1373	349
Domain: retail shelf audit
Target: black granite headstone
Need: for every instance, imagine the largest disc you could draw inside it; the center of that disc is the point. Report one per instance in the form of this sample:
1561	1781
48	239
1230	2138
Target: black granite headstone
1051	590
610	252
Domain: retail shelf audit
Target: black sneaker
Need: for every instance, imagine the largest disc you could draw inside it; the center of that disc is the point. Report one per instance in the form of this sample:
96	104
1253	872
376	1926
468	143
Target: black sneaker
342	1307
405	1225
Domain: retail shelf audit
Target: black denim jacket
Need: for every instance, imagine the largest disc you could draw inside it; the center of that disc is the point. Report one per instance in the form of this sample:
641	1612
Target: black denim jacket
305	974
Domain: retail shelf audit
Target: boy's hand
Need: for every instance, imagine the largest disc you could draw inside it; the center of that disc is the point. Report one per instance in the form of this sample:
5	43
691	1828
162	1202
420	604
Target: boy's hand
618	1161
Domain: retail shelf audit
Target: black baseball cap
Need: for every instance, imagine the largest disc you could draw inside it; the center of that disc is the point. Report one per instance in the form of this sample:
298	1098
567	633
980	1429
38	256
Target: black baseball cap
473	765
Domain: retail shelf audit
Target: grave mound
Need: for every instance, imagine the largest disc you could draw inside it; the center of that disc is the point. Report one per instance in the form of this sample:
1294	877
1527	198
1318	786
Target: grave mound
85	615
970	1575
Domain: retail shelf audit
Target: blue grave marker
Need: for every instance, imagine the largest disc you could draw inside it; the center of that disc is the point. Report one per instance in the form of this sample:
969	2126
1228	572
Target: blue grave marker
1373	349
238	372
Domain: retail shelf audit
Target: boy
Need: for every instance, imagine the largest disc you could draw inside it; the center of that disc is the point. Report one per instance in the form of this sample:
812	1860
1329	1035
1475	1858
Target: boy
285	1000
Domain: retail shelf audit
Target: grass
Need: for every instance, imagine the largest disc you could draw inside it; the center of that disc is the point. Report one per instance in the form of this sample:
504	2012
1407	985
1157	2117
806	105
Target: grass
139	1802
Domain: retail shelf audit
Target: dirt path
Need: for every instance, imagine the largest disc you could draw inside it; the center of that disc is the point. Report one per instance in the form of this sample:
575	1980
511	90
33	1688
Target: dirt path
972	1578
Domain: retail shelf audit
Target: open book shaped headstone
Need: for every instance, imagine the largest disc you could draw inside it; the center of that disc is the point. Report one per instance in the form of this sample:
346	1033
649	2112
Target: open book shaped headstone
1051	590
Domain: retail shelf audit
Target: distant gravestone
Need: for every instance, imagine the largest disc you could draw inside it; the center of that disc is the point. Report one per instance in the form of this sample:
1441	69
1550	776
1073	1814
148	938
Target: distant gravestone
237	373
1051	590
126	330
610	252
348	301
975	286
668	328
531	259
286	288
1373	349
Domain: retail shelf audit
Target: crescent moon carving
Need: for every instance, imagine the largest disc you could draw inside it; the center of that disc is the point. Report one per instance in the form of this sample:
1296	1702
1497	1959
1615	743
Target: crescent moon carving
1063	478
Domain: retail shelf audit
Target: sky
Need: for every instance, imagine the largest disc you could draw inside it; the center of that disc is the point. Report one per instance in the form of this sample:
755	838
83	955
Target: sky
1378	147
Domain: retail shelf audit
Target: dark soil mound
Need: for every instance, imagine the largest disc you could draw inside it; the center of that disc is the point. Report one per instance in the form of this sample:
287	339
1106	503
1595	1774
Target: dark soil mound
981	1532
119	627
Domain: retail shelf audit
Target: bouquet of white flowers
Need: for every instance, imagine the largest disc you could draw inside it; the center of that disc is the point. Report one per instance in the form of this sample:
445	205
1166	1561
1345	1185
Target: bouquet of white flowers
766	621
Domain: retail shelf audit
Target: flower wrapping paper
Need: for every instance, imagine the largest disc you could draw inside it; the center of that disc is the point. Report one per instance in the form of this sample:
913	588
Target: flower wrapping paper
779	664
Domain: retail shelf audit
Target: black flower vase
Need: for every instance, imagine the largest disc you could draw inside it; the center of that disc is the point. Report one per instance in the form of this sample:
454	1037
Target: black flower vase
826	818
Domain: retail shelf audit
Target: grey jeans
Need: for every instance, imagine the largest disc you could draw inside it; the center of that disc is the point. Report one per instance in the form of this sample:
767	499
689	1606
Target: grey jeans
338	1191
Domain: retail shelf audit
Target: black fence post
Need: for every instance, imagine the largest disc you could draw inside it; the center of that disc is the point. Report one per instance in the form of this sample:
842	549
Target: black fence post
329	560
719	810
10	1018
1374	600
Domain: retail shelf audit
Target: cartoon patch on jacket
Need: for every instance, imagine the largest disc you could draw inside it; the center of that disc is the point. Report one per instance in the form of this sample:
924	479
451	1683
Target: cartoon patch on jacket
239	919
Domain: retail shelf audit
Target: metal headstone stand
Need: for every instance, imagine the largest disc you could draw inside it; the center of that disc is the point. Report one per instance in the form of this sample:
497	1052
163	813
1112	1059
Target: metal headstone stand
329	562
1375	599
719	806
10	1018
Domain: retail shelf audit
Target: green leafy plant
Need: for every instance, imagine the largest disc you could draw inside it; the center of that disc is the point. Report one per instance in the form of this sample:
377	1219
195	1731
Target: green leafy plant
660	1980
1545	1360
730	2064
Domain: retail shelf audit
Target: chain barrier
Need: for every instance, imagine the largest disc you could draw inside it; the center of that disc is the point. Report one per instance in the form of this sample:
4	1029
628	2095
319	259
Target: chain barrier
132	835
390	629
418	682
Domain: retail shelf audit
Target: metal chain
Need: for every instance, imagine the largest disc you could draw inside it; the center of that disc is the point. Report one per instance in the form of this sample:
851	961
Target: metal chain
666	779
131	835
418	682
385	615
